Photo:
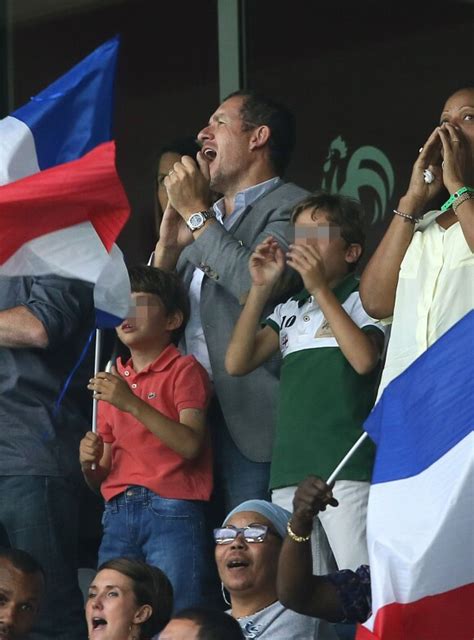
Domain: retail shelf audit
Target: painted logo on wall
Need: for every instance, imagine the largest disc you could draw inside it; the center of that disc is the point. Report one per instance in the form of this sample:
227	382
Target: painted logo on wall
367	170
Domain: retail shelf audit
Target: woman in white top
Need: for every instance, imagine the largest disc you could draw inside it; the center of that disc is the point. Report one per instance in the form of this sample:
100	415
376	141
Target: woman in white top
422	272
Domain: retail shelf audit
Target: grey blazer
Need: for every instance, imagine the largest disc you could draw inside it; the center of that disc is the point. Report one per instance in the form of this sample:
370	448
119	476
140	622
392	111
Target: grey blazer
249	402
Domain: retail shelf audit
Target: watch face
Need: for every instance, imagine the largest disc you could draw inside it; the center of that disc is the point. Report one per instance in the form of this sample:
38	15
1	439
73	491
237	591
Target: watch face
196	220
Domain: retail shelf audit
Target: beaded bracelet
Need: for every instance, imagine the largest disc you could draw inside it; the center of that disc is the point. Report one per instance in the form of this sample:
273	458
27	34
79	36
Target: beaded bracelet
467	195
408	216
295	537
449	202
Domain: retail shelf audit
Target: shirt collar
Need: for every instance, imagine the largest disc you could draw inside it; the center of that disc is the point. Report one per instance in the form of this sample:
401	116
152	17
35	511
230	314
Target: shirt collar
342	290
166	357
247	197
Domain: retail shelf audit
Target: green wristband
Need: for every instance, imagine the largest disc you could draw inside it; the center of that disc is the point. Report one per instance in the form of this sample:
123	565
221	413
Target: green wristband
456	195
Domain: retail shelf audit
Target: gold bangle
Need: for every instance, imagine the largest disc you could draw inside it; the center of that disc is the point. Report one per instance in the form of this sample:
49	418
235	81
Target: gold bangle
293	535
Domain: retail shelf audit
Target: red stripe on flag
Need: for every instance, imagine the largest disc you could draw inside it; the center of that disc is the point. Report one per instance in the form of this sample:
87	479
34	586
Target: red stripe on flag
365	634
87	189
445	616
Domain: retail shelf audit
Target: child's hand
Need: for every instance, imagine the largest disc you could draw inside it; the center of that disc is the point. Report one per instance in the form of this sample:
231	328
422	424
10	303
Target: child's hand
91	450
111	388
267	263
307	261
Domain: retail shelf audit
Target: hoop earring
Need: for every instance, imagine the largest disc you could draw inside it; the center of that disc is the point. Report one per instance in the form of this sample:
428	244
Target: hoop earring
224	595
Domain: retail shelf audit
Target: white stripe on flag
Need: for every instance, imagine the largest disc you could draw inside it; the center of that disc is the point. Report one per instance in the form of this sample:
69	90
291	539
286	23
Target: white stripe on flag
73	252
17	151
420	534
112	290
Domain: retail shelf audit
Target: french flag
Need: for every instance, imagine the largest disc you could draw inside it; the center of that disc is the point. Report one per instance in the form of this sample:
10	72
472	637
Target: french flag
420	516
62	204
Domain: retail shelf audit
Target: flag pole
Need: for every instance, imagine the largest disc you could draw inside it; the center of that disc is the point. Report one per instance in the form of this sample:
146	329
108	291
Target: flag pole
97	354
348	455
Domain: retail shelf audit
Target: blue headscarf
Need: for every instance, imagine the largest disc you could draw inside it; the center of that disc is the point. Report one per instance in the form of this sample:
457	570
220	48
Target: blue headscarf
278	516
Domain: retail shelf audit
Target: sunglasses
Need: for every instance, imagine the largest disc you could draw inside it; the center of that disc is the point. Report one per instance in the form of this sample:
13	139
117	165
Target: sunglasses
251	533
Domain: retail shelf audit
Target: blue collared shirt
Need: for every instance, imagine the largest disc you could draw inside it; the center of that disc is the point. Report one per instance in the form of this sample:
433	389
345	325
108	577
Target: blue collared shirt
194	340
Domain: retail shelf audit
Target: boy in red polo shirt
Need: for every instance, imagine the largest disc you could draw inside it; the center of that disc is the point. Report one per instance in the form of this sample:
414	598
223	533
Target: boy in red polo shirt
151	458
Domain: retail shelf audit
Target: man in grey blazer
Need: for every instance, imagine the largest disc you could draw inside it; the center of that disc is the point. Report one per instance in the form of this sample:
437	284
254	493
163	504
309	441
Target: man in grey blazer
245	149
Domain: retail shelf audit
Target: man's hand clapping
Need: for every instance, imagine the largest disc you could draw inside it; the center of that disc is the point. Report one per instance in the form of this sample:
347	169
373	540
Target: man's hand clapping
187	185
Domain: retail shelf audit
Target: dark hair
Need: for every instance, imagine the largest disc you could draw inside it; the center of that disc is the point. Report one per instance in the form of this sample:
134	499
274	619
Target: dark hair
259	110
21	560
150	586
213	624
467	85
187	146
167	286
346	212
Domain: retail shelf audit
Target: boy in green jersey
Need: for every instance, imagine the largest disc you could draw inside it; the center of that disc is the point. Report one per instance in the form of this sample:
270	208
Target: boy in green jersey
331	350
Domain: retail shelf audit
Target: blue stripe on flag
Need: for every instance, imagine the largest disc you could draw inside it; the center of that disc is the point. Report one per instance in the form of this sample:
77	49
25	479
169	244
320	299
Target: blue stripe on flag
74	114
426	410
105	320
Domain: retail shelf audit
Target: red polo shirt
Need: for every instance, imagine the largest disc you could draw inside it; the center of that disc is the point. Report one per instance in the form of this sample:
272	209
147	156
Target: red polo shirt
169	384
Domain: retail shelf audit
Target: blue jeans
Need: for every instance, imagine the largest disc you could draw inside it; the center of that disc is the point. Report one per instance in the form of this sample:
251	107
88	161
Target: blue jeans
39	514
236	478
169	534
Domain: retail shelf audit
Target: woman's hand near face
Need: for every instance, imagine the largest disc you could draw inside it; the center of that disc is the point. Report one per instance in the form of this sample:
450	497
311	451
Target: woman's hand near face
420	192
458	167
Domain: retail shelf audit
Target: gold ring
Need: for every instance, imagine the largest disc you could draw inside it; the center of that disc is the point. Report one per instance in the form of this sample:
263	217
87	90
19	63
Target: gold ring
170	171
455	140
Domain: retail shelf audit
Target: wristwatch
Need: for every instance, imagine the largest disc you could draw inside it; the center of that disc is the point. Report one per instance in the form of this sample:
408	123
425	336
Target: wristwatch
197	220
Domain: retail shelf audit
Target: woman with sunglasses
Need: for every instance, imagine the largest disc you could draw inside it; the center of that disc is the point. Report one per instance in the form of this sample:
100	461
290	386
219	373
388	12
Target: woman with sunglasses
247	548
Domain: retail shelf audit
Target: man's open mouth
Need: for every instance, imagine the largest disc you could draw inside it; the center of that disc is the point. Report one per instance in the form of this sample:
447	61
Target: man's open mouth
209	154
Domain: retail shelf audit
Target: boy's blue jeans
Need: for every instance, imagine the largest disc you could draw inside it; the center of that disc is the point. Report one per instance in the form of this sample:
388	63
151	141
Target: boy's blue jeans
169	534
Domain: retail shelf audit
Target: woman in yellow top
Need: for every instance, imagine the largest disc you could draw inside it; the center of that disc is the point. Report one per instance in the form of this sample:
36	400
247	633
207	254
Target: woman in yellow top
422	272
